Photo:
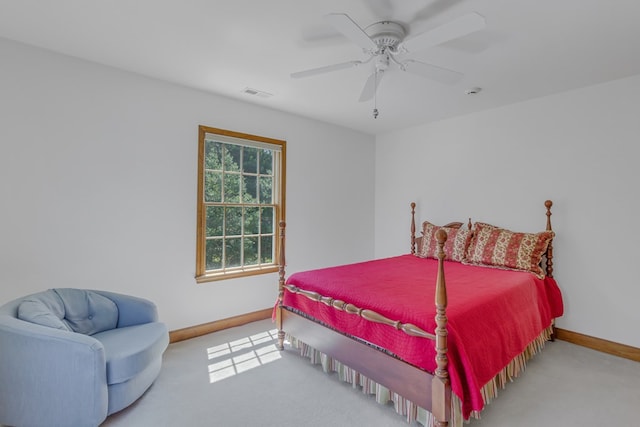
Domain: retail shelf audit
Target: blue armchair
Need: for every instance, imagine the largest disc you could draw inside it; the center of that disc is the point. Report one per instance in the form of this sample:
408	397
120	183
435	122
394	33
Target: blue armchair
71	357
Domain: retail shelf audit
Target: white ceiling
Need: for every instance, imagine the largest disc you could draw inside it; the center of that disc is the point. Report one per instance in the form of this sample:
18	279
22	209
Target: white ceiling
528	49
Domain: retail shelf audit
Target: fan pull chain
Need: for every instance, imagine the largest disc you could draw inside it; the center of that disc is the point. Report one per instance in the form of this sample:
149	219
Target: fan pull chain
375	96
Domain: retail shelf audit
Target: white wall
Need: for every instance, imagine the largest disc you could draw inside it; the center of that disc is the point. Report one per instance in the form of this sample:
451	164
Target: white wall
579	149
98	180
98	186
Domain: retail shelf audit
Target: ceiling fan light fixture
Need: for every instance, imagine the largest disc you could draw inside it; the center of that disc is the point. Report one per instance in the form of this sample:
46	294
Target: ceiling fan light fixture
382	62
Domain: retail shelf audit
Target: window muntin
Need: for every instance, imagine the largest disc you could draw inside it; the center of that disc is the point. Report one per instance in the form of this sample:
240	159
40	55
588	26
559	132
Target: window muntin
241	185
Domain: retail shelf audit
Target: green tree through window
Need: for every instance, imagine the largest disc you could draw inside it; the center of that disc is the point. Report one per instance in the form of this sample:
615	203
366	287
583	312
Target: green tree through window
240	203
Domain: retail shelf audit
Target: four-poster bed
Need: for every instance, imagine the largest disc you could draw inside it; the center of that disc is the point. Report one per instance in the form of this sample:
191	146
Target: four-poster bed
372	321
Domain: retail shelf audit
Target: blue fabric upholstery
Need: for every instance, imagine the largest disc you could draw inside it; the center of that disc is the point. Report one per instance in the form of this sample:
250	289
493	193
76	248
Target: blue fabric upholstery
77	310
53	376
130	349
124	394
46	309
88	312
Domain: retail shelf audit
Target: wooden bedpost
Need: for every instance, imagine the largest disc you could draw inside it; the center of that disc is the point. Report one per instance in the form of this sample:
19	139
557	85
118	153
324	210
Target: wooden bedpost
413	228
440	388
549	256
281	264
549	261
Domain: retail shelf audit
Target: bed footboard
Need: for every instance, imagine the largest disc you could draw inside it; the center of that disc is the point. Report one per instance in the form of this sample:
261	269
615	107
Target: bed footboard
391	372
429	391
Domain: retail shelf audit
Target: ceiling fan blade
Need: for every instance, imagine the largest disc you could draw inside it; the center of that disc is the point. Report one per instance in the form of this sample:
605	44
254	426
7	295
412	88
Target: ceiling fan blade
434	8
351	30
325	69
371	86
433	72
457	28
381	8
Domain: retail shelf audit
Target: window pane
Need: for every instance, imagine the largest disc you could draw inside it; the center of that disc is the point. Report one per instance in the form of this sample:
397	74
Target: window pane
266	221
250	160
213	155
215	217
250	187
212	186
251	221
251	250
233	222
266	162
266	249
233	249
232	157
266	189
231	188
214	254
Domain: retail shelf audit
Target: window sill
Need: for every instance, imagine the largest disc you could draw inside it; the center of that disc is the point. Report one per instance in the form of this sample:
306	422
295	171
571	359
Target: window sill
234	274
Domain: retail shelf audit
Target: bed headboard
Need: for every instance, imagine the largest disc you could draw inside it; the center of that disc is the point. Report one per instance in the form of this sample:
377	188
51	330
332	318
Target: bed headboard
416	241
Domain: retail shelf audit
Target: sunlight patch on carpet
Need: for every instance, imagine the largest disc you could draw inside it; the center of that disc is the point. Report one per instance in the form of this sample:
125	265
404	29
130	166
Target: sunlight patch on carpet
234	357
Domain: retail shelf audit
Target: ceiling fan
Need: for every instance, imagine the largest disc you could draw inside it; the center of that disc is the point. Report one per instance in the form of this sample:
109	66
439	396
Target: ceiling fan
386	43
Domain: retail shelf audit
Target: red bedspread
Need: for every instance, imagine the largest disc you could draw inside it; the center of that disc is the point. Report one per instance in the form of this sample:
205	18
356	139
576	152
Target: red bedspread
493	314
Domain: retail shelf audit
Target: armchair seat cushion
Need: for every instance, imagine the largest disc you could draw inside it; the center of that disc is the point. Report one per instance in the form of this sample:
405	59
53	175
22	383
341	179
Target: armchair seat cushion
129	350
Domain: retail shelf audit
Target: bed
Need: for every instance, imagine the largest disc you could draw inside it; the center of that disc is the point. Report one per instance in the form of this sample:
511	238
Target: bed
376	324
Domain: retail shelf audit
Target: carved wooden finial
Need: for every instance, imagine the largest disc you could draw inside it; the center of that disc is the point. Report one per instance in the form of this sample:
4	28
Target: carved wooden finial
548	204
282	262
441	290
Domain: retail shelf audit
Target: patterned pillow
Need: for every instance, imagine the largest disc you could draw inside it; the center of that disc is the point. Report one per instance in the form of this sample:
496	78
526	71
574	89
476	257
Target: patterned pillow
454	248
497	247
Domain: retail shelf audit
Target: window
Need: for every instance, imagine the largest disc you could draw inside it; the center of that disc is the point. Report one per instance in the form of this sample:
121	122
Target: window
241	184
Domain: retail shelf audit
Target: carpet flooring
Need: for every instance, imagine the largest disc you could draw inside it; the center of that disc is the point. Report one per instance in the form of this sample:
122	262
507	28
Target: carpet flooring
236	377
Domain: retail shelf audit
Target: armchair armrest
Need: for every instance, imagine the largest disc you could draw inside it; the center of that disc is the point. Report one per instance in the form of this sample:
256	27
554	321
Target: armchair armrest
132	310
41	371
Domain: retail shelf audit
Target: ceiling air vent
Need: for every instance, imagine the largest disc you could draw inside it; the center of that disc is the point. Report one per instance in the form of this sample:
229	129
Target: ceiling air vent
256	92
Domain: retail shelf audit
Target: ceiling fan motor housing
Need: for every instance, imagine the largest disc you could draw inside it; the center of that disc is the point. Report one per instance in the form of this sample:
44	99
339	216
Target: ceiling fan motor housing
386	34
